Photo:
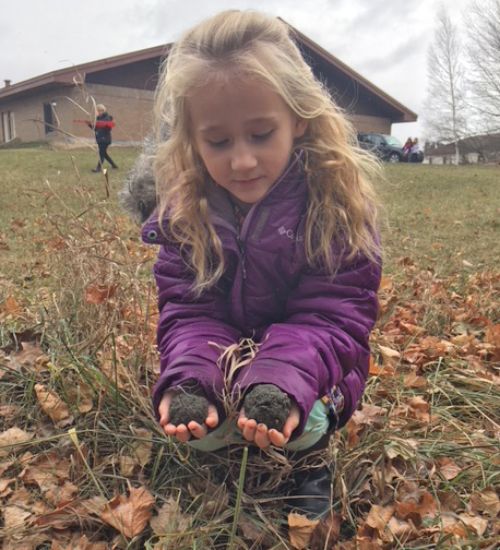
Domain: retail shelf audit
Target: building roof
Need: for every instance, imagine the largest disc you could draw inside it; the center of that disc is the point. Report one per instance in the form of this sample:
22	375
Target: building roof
407	114
77	74
70	76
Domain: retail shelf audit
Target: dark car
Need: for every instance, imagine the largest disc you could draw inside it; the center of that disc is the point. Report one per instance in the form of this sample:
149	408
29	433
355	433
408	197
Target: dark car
385	147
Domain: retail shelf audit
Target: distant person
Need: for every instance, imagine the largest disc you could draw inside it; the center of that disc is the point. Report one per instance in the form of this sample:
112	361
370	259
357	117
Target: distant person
415	151
102	127
407	148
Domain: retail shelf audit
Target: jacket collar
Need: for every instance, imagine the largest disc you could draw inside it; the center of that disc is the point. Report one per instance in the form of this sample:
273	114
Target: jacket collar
290	185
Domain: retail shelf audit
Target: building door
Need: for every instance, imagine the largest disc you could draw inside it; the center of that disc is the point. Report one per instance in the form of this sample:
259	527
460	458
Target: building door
8	129
48	118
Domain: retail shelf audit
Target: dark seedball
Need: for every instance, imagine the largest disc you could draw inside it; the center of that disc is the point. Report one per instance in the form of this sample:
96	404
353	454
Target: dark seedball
268	405
186	407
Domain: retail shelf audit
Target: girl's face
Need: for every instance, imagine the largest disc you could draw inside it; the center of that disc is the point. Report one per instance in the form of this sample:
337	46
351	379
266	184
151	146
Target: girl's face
244	133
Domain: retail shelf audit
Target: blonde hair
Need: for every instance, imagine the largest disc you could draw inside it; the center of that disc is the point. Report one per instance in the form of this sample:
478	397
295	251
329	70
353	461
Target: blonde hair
341	199
100	107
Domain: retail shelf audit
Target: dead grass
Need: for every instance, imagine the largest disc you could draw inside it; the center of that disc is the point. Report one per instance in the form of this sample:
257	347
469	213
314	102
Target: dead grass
78	316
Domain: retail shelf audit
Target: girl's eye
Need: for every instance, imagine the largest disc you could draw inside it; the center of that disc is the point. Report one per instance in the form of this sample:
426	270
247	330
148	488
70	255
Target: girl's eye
264	136
219	143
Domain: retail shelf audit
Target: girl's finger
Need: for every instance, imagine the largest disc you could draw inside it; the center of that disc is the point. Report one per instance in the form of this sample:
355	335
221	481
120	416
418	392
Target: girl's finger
163	409
197	430
261	437
170	429
277	438
182	433
249	430
292	422
212	419
242	420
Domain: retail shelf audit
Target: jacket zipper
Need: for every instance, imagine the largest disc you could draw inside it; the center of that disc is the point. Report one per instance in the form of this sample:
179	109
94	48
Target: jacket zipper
241	246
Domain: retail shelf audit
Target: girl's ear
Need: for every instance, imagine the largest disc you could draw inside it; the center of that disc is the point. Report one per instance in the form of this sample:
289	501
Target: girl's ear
300	127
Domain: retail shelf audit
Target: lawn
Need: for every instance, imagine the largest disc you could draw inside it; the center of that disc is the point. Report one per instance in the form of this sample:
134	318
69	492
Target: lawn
83	464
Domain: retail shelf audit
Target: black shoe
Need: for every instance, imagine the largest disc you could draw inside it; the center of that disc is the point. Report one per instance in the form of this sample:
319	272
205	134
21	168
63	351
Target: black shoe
114	167
311	493
96	170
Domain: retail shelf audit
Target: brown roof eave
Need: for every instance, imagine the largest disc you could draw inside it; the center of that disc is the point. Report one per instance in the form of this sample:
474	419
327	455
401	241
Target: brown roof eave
406	115
45	81
119	60
66	77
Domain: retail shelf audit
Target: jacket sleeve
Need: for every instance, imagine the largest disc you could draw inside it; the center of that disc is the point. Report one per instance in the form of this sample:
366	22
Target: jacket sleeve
323	340
191	332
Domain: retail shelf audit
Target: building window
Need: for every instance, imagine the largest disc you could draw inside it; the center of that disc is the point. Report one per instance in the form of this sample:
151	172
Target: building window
48	118
8	126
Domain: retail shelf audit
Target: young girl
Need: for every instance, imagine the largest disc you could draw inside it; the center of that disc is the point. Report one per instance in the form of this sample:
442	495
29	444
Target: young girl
267	230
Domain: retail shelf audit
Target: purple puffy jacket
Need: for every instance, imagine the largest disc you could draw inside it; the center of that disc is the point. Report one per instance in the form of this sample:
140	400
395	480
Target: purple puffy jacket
313	330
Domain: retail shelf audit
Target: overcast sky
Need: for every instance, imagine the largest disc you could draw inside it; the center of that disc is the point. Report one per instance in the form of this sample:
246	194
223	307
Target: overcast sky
384	40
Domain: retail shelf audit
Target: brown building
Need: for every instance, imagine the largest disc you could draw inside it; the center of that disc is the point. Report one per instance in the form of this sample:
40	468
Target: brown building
49	106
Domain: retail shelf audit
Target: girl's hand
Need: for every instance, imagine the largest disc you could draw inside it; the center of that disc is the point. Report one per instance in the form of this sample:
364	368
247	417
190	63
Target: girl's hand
261	436
182	432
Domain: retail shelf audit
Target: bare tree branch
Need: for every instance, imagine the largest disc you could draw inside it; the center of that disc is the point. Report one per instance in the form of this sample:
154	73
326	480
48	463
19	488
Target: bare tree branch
483	49
446	106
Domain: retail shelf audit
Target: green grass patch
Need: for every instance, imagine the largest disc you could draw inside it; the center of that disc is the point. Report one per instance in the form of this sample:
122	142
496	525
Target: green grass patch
77	352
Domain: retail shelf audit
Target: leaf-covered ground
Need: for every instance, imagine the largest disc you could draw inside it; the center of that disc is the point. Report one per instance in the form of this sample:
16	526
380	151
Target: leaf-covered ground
83	465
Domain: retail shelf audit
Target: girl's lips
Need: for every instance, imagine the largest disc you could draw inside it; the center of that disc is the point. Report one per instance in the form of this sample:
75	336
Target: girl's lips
244	182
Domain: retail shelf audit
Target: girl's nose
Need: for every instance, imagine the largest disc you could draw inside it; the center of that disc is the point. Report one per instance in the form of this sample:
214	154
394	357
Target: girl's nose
243	159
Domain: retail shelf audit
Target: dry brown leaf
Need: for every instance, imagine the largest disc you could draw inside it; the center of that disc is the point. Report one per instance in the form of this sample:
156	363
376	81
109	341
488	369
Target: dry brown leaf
14	518
449	502
127	465
486	502
404	448
300	530
5	465
326	532
5	490
9	412
94	505
411	328
416	506
30	357
142	446
99	294
25	542
401	530
11	438
389	355
70	514
170	519
412	380
492	337
448	468
57	495
140	452
112	366
476	523
53	406
368	415
78	542
83	396
375	369
419	409
11	307
46	470
129	515
379	516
